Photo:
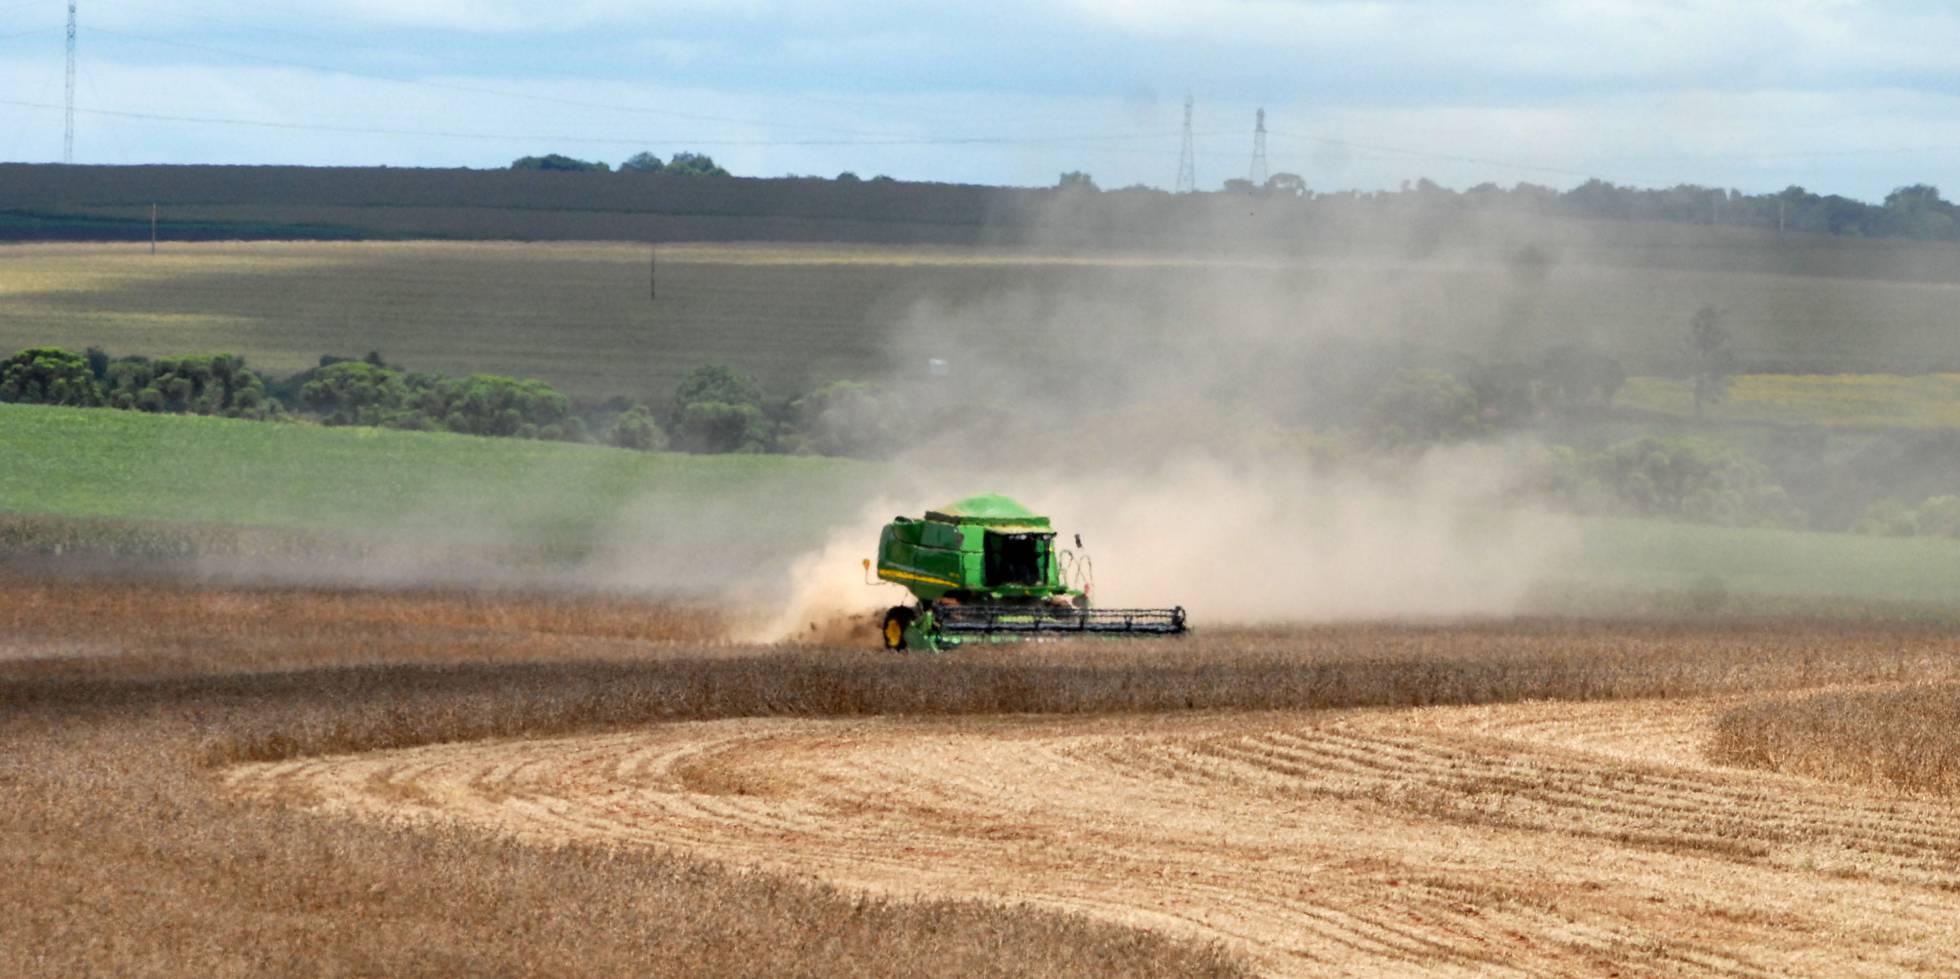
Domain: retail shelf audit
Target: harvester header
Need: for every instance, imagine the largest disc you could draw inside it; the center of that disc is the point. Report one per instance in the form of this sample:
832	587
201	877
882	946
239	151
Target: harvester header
987	567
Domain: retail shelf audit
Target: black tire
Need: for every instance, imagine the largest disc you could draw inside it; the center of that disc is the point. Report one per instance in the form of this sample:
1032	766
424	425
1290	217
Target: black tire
897	620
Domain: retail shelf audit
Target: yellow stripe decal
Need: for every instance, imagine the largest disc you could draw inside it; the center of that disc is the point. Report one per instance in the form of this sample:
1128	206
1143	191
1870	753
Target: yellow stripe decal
909	576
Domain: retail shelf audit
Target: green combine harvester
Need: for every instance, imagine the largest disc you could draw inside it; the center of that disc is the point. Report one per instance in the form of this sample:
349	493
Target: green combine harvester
986	568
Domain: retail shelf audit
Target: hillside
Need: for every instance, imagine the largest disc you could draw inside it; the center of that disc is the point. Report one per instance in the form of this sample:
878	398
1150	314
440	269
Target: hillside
1594	223
401	504
580	315
298	499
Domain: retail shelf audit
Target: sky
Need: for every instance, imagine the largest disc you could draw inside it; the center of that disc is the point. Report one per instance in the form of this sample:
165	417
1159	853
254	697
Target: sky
1855	97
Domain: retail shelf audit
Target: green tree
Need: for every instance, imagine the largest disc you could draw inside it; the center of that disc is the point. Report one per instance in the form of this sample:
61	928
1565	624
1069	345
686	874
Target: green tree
218	385
488	404
642	162
1693	479
1939	517
1077	180
847	177
558	162
714	426
849	418
719	409
635	428
1919	211
1422	406
716	382
358	393
1286	185
1711	358
49	376
697	164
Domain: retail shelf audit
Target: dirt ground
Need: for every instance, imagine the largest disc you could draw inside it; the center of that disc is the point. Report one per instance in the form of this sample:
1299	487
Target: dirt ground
1534	839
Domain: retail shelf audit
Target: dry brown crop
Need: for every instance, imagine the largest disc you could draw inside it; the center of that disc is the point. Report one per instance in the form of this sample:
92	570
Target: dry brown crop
159	740
1895	738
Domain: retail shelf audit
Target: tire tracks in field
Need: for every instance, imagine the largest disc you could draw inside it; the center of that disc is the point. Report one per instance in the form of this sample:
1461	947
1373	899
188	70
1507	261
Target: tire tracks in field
1543	839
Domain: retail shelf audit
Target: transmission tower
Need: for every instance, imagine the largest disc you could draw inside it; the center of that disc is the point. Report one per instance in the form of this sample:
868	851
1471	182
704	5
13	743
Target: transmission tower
1187	160
1258	173
68	133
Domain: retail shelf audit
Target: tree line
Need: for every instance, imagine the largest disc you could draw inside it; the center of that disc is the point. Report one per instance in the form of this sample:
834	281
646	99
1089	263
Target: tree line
714	409
690	197
1917	211
680	164
1400	410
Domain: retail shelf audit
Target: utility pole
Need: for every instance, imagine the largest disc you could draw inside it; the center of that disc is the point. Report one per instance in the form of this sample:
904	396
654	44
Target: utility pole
1258	174
68	134
653	272
153	229
1187	160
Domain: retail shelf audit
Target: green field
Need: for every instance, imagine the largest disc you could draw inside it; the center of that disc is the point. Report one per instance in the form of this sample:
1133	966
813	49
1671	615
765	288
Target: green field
1654	555
714	517
580	315
1928	401
173	484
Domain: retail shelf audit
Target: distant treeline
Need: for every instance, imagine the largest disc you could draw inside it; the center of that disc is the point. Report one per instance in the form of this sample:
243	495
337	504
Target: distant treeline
715	408
554	197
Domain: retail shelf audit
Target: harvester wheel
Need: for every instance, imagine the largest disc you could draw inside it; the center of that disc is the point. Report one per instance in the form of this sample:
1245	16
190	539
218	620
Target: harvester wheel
897	620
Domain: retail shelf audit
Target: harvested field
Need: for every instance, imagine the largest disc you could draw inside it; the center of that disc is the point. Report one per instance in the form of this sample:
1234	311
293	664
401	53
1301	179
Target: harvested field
230	781
1413	842
796	316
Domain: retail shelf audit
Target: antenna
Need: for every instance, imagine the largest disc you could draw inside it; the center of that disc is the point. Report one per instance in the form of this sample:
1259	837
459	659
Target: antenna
1187	160
68	134
1258	173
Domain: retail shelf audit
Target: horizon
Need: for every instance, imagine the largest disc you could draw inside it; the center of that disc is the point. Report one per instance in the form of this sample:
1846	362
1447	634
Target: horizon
1847	99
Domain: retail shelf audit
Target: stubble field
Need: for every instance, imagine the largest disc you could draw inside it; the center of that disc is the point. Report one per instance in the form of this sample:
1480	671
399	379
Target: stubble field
581	316
212	781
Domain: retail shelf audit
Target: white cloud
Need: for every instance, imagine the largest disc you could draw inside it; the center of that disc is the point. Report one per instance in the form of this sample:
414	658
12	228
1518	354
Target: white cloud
1750	94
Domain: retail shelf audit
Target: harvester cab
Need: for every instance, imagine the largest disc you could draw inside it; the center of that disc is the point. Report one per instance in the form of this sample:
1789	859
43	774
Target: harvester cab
987	568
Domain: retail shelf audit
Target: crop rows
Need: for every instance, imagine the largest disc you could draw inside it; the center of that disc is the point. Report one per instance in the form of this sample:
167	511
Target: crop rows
1346	845
580	316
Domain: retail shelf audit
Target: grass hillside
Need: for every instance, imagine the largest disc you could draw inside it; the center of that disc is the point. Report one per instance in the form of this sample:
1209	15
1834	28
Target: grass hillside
1929	401
1713	565
580	315
706	517
400	487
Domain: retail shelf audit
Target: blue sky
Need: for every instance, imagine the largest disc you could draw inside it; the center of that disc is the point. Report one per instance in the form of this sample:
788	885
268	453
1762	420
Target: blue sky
1840	96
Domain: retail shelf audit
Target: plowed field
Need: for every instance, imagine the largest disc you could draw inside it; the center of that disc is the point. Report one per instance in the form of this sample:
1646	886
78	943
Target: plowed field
1546	839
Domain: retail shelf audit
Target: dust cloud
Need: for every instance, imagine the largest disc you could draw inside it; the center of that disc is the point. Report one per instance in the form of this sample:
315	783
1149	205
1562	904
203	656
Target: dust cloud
1240	543
1195	420
1192	412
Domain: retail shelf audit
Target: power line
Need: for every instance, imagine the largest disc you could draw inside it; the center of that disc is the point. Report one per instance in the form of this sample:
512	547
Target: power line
475	90
1258	174
1805	155
596	140
857	137
235	24
1460	158
1187	157
68	133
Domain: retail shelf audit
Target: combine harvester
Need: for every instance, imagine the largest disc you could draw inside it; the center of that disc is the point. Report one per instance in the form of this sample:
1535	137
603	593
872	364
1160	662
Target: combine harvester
987	569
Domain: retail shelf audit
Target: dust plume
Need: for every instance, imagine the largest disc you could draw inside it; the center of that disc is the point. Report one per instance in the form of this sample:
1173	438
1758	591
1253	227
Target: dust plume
1243	543
1201	422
